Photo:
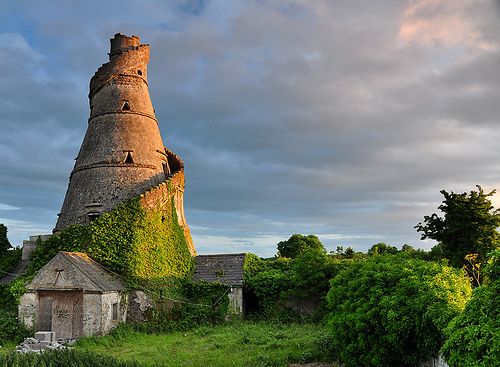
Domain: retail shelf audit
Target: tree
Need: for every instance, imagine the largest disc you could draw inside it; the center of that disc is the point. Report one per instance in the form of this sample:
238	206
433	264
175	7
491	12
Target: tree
469	225
4	241
297	244
382	248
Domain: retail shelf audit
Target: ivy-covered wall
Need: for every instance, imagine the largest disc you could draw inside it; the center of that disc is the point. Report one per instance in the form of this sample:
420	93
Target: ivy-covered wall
135	240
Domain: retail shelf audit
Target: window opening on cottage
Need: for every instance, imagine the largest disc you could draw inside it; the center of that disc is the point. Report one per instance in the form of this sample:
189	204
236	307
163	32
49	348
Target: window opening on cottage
126	106
129	158
115	311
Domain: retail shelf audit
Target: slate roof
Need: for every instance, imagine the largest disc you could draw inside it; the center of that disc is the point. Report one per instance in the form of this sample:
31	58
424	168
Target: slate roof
226	269
75	270
98	275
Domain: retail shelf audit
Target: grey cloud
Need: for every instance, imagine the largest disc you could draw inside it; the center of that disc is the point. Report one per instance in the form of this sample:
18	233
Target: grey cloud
307	117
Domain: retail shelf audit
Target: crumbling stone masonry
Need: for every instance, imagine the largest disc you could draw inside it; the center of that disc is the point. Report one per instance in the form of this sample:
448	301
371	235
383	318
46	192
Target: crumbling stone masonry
122	154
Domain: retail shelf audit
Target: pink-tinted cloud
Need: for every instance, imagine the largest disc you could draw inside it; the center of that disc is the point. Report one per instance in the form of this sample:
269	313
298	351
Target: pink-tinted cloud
444	23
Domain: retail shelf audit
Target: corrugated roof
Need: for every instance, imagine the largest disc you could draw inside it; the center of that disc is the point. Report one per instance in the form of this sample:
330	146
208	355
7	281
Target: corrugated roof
226	268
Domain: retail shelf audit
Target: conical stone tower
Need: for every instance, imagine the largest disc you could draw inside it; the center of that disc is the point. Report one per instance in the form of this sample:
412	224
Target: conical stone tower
122	154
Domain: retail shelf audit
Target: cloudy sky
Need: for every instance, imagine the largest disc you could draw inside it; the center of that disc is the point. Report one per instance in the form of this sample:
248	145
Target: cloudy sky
339	118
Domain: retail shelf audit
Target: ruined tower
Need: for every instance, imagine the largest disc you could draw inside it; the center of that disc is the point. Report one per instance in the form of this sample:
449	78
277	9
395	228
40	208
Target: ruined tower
122	154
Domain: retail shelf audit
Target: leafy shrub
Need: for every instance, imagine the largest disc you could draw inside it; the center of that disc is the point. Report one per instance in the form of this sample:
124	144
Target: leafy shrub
11	330
64	358
391	310
473	337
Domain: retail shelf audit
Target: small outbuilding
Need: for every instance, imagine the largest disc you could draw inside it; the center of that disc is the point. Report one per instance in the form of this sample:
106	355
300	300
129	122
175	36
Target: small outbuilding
73	296
226	269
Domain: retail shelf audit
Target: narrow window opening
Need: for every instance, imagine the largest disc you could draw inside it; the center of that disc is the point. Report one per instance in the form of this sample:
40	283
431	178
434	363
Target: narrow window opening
129	158
93	217
115	311
126	106
139	72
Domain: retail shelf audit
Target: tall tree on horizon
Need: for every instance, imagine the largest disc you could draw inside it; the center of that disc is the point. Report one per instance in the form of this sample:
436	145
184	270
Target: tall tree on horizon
469	225
4	241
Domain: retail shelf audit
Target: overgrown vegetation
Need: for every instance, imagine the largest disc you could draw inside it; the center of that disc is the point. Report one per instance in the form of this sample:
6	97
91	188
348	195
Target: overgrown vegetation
391	310
237	344
383	307
181	304
62	358
131	241
291	289
11	330
473	337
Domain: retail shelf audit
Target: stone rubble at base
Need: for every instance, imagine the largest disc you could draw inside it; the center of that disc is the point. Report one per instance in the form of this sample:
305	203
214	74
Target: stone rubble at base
32	345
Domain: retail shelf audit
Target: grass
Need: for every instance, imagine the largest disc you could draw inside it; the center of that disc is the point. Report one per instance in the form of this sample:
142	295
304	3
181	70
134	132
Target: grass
245	344
7	348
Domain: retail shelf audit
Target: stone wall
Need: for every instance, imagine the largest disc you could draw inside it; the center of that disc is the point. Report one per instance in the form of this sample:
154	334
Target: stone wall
173	188
107	302
27	310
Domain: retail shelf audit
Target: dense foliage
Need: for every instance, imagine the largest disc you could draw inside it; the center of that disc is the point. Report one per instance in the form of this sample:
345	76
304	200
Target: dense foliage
4	241
128	240
181	304
291	289
297	244
390	310
473	337
469	225
62	358
11	329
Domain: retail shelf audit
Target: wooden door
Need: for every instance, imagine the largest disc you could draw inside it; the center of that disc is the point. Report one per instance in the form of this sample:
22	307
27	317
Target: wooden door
65	317
44	312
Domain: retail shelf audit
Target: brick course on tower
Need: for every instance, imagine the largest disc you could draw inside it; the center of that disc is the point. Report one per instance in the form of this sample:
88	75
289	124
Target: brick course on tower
122	154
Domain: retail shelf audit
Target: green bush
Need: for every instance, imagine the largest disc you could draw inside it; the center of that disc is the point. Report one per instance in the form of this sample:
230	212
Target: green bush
473	337
63	358
11	330
390	310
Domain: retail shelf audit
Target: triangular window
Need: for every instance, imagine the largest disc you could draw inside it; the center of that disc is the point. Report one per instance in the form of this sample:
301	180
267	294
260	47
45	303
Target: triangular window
126	106
129	158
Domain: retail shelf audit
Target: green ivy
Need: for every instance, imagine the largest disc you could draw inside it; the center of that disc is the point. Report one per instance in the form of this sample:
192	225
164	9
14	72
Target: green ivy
129	240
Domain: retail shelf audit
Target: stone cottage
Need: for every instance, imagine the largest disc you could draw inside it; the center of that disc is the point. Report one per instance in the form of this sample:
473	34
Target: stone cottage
226	269
73	296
